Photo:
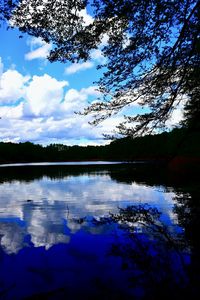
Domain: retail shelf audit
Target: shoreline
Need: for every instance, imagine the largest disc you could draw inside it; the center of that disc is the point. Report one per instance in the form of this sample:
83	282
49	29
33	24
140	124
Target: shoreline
175	164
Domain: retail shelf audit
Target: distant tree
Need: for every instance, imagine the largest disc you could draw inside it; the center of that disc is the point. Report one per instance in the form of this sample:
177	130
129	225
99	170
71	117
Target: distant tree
152	52
192	114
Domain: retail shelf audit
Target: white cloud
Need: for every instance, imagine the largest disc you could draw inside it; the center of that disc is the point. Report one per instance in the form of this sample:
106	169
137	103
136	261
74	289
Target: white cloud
70	130
39	49
46	115
176	117
73	100
44	95
11	112
104	40
77	67
1	67
12	87
1	72
98	56
35	42
91	91
41	53
44	118
88	19
76	100
46	111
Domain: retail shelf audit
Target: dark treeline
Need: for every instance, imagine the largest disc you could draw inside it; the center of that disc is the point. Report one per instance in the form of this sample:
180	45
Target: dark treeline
162	146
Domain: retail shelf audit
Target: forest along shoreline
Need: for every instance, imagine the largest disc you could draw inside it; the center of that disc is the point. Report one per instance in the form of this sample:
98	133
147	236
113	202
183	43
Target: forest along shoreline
178	150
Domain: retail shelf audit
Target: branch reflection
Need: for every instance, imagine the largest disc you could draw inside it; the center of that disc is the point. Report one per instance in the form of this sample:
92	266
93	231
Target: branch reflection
157	256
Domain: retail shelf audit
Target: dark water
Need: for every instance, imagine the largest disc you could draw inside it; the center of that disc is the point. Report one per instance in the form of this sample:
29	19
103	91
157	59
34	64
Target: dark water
98	232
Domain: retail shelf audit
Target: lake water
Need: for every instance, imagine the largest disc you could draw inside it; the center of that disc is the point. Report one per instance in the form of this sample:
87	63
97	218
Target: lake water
97	231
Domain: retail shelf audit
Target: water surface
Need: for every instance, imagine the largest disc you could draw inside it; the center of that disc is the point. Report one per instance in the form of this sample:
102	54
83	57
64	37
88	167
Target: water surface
59	239
68	163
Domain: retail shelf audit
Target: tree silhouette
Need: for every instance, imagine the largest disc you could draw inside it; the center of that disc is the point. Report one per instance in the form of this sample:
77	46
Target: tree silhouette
152	52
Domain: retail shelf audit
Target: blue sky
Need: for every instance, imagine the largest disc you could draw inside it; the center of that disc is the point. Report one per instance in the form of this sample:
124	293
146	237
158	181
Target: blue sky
38	98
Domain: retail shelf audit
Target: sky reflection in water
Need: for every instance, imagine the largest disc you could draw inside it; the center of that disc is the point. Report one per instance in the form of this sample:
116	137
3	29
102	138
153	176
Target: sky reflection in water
44	208
52	249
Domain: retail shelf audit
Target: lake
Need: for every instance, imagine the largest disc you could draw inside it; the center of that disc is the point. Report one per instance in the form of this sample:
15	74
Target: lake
98	230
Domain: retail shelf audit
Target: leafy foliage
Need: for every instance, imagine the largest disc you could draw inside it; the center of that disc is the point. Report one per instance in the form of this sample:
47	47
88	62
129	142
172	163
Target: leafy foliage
152	52
6	8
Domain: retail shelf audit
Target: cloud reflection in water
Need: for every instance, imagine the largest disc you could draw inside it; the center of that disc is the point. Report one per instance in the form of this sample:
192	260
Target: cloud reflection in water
47	209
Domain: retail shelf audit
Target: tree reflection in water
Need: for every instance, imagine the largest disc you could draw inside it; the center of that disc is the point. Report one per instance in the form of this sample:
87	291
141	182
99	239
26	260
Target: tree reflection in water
188	212
158	256
149	258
